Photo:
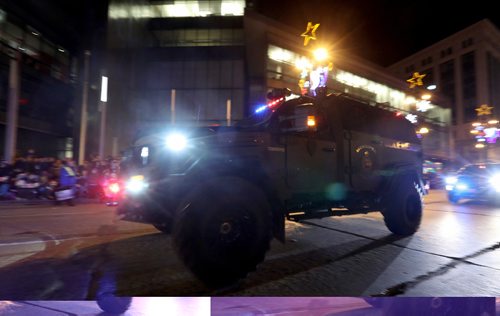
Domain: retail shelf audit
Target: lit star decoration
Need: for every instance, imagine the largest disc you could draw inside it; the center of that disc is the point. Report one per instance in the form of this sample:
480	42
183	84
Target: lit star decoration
484	110
416	80
310	33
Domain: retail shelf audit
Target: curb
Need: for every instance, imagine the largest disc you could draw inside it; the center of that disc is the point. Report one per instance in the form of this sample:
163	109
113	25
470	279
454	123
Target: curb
45	202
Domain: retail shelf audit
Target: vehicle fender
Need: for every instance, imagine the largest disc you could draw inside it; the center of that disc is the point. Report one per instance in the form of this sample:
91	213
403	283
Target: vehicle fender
393	174
252	171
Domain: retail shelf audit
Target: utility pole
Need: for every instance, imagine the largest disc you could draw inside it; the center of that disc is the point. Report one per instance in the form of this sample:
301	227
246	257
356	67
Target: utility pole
83	120
172	106
12	108
228	112
102	108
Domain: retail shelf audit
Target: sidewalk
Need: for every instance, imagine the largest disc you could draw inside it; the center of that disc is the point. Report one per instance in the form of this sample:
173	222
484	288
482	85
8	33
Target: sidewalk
49	308
140	306
43	202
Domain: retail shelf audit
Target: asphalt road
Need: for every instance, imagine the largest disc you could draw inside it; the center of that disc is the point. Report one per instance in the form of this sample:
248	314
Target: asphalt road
65	253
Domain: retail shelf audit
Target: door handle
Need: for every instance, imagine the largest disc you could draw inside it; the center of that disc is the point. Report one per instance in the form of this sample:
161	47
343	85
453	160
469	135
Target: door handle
328	149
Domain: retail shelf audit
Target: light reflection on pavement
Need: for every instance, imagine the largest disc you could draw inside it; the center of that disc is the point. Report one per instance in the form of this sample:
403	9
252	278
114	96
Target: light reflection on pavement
141	306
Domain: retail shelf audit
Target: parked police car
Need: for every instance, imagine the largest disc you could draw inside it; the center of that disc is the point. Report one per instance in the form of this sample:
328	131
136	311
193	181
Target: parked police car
224	192
479	181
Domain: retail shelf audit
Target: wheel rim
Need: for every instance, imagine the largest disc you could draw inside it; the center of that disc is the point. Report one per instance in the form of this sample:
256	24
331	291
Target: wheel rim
230	232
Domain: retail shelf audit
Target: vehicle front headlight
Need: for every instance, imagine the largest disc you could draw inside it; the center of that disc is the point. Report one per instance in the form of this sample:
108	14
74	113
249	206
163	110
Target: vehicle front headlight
136	184
495	181
450	183
451	180
176	142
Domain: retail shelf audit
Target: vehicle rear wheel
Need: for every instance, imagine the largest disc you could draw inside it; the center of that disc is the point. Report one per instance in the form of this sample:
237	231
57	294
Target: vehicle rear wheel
403	207
114	304
223	230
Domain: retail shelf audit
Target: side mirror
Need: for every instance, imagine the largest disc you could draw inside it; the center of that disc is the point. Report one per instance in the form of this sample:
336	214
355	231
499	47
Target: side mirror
302	119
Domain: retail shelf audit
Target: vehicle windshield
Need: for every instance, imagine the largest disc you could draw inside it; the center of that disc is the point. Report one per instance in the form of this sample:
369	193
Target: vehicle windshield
480	169
256	119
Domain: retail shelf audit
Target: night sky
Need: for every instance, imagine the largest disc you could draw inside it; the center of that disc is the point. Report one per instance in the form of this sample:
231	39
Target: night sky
382	31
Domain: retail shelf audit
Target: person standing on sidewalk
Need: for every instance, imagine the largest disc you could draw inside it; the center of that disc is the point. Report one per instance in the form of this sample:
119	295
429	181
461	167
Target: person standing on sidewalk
67	180
5	179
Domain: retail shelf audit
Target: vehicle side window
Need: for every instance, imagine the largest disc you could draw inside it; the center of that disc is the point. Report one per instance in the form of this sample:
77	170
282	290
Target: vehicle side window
301	118
356	117
390	126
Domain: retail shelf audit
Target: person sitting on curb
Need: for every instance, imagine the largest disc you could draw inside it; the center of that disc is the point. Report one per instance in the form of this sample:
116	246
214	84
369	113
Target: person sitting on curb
67	180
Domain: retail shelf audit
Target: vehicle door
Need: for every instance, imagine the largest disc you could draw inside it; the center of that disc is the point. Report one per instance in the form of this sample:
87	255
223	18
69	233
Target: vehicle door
363	145
309	149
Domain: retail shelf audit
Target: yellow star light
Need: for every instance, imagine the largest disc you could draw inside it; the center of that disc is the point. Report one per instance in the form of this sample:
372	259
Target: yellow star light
416	80
484	110
310	33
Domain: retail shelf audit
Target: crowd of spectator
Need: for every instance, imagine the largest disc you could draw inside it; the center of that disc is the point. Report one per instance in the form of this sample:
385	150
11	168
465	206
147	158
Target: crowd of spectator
32	177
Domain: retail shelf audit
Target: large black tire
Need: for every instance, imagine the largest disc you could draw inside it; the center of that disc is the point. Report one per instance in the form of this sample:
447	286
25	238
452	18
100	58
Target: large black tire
114	304
223	230
403	206
164	227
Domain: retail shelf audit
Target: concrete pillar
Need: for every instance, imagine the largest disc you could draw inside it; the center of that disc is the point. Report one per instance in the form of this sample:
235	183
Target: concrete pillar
12	109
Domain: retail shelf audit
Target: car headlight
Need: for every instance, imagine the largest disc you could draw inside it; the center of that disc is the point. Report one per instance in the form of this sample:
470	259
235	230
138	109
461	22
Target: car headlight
462	186
176	142
495	181
136	184
451	180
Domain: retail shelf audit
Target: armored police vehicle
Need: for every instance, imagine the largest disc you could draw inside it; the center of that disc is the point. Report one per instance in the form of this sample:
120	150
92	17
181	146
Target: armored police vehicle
225	192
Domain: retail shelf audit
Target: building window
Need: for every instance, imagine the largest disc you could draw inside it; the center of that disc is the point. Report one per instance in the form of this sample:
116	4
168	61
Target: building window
494	81
429	77
176	9
200	37
410	69
468	42
427	61
446	52
469	86
447	83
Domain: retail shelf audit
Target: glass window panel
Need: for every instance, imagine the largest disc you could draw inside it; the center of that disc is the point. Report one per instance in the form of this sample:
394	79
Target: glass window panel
32	41
238	74
189	69
212	99
214	74
226	74
201	77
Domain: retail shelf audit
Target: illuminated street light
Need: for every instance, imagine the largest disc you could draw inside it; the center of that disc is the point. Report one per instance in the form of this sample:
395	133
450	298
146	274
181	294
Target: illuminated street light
104	89
426	96
423	130
320	54
480	145
432	87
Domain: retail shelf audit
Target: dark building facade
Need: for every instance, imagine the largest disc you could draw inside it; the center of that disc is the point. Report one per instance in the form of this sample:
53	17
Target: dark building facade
465	66
193	61
47	39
